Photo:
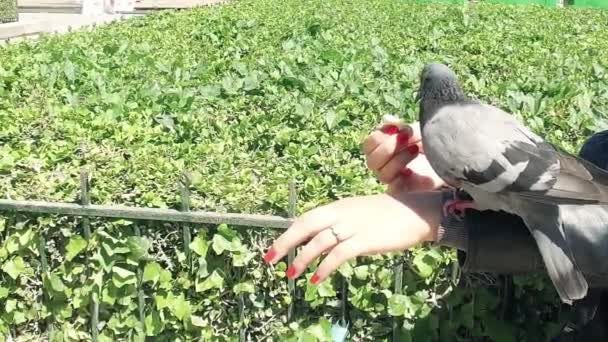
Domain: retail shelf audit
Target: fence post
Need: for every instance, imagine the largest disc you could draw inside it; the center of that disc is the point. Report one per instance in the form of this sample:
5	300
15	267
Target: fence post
291	285
398	290
44	267
85	200
185	207
140	291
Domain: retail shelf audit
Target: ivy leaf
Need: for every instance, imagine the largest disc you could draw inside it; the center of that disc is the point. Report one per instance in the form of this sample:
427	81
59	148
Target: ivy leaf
122	277
151	272
362	272
214	281
425	264
69	71
199	246
139	247
197	321
325	289
220	244
154	324
55	283
3	292
244	287
76	245
180	307
14	267
399	305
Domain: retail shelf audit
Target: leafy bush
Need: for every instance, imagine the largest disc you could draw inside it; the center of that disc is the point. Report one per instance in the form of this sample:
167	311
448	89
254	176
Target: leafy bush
248	96
8	11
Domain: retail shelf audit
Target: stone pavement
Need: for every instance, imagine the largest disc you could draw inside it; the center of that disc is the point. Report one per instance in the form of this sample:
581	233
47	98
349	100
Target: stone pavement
59	16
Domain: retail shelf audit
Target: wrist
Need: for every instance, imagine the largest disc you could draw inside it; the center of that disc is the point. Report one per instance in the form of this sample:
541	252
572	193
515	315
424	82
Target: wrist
426	207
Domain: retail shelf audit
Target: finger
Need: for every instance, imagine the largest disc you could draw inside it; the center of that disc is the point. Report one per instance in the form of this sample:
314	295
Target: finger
303	228
377	158
399	184
340	254
414	130
373	140
322	242
394	167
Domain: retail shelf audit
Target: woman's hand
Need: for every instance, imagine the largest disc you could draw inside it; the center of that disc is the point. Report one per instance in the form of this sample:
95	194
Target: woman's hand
363	225
397	158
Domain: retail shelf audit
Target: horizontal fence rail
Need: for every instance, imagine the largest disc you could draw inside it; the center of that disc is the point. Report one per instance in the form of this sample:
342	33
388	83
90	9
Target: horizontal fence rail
152	214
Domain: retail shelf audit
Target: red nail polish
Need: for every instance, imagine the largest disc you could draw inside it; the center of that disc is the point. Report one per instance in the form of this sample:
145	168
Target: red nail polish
270	255
315	279
390	130
406	172
291	271
413	149
402	138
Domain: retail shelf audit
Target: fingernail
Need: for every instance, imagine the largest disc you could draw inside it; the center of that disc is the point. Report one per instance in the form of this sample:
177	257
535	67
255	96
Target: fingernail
315	279
270	255
402	138
413	149
291	272
406	172
390	130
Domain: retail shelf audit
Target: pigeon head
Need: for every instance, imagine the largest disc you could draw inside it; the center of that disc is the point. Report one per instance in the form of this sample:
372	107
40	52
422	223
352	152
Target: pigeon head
439	86
439	83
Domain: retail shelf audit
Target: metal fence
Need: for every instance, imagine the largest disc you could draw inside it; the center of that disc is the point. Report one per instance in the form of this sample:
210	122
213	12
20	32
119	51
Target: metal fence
86	210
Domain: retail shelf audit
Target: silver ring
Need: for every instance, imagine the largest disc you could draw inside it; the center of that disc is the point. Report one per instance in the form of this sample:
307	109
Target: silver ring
336	235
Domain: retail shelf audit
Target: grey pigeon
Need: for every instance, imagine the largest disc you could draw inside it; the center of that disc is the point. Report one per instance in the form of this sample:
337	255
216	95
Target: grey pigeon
502	165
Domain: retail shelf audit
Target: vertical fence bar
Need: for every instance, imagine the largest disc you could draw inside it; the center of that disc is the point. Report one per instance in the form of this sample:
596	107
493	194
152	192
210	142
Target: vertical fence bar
242	330
85	200
398	290
291	285
185	206
140	291
44	267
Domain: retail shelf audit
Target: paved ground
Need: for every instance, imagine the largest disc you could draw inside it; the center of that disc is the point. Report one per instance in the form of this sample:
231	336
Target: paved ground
30	24
61	16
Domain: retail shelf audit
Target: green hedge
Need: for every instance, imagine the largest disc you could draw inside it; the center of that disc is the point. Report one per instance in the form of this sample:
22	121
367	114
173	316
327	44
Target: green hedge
8	11
248	96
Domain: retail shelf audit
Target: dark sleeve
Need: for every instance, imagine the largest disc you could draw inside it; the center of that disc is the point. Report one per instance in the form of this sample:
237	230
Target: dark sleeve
490	241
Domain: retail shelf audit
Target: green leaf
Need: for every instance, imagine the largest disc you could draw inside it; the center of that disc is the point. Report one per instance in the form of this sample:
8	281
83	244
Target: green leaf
69	71
14	267
154	324
197	321
138	247
122	277
151	272
220	244
400	305
325	289
362	272
246	287
199	246
180	307
425	264
3	292
214	281
55	283
76	245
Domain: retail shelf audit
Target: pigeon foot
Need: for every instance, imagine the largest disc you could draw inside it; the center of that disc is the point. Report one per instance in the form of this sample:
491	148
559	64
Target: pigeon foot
457	207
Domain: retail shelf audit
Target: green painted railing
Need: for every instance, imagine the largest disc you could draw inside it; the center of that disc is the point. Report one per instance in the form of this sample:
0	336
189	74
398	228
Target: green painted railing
187	218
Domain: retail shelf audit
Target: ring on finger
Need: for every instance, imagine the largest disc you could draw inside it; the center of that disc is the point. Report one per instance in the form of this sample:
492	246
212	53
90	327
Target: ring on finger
337	233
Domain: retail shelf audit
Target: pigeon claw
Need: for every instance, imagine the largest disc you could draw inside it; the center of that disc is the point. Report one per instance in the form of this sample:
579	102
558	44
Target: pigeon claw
456	208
